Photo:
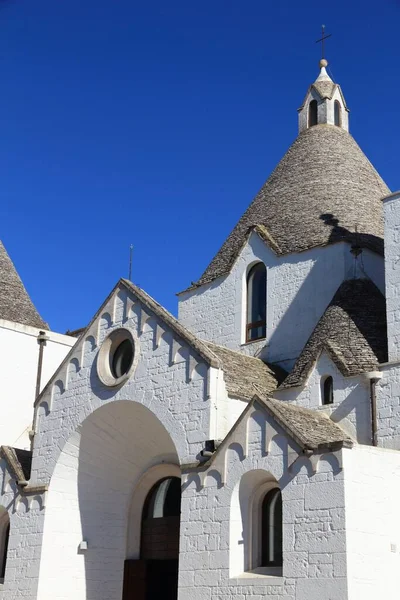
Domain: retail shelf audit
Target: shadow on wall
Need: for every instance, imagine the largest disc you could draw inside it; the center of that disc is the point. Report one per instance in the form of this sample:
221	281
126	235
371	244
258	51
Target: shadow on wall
119	441
357	239
357	402
314	293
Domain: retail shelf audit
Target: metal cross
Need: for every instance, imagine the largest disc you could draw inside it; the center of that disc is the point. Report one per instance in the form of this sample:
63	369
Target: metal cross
322	40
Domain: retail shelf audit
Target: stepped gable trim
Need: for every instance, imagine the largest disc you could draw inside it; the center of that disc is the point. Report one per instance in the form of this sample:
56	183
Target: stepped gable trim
352	331
15	303
241	372
312	430
198	345
320	189
150	304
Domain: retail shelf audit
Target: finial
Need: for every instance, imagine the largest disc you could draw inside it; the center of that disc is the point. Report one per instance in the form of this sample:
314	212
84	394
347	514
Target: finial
323	63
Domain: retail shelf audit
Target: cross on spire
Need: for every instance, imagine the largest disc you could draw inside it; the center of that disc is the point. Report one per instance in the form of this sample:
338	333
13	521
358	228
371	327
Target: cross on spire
322	41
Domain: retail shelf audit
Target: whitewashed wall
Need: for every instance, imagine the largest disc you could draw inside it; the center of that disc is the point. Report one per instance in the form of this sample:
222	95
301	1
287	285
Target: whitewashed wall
391	209
19	353
299	289
92	444
388	407
216	517
351	407
372	490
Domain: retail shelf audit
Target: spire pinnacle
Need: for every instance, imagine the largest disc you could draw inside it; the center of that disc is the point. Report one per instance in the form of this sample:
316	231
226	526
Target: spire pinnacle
322	42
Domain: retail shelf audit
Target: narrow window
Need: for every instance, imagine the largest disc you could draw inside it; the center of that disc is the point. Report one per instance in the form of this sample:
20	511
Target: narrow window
313	113
161	521
256	303
338	114
4	536
271	526
327	390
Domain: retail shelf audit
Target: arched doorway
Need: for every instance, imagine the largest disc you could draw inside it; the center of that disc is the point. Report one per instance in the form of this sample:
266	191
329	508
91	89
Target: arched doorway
98	475
155	574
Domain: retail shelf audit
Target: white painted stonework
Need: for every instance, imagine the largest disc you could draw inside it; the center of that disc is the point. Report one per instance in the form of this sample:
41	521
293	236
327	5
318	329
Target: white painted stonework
78	464
298	292
19	354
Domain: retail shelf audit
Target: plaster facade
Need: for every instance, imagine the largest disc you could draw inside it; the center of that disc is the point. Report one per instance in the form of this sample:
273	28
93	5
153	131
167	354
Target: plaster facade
298	292
19	355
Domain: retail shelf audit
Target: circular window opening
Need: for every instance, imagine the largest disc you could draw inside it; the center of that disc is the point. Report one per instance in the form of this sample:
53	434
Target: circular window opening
122	359
116	359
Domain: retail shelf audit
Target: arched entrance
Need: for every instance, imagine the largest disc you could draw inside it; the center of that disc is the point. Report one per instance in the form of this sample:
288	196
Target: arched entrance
155	574
102	470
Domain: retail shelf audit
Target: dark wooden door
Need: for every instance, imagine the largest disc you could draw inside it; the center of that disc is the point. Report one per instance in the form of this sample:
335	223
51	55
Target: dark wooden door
150	580
135	576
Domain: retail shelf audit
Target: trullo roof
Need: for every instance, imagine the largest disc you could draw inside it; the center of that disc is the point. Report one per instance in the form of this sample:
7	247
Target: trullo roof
320	191
15	303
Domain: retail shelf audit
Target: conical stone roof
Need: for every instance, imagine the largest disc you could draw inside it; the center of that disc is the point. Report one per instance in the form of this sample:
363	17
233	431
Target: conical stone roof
320	191
15	303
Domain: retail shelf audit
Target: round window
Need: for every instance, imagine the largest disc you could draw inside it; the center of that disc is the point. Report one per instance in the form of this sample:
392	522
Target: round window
116	359
122	359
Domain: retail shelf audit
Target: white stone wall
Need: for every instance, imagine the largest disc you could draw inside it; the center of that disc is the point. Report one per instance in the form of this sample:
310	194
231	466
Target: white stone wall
298	292
391	208
217	520
372	490
19	353
351	407
92	444
26	515
388	407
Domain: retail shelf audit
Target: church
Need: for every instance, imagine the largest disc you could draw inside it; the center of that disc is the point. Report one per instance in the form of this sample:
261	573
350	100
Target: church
249	448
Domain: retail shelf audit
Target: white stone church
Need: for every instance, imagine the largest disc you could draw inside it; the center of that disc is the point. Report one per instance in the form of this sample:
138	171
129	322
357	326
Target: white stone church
248	449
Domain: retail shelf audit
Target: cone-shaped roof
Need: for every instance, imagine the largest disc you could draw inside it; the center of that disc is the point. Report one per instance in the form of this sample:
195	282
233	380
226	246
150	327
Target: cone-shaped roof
15	303
320	191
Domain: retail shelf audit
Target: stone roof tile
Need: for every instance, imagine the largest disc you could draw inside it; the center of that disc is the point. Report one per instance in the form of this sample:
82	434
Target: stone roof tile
352	331
322	188
15	303
242	373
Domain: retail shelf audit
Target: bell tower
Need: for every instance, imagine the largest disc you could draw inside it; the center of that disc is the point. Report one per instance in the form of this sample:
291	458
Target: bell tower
324	103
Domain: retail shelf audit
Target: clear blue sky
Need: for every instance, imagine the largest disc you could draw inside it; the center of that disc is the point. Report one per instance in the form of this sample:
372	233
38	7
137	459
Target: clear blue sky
157	122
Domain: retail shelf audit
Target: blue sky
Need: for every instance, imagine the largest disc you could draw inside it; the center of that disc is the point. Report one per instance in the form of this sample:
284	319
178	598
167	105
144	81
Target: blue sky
155	123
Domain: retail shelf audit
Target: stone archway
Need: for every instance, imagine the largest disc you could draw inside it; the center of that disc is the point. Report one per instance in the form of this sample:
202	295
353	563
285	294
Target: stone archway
89	502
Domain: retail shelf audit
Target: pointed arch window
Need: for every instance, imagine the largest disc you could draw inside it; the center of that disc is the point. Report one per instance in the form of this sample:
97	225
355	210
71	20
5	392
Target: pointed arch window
4	537
256	303
327	390
271	526
313	113
338	113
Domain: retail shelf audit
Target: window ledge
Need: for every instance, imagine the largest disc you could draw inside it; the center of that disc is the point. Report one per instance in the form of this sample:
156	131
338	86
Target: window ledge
265	575
263	339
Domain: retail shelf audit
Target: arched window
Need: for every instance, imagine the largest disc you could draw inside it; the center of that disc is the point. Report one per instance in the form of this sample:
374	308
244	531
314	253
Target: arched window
161	520
4	537
271	527
256	303
327	390
313	113
338	114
